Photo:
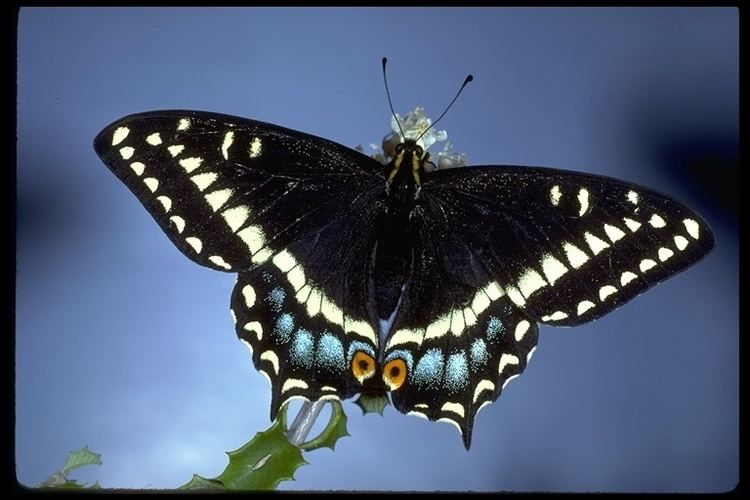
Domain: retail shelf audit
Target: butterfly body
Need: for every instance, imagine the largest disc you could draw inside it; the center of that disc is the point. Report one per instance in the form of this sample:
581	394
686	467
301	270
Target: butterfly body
327	242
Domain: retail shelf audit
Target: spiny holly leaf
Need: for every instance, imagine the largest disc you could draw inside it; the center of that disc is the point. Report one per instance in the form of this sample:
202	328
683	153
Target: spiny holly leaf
201	483
372	404
335	430
76	459
264	462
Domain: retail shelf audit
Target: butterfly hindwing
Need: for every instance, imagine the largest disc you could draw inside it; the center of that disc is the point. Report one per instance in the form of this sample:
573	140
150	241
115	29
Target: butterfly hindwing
461	362
230	192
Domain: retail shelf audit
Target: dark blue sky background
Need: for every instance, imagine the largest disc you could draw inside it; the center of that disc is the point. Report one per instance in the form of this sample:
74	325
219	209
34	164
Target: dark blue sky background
124	345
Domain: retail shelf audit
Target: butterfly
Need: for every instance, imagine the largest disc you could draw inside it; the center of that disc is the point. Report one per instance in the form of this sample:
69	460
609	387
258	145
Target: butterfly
326	242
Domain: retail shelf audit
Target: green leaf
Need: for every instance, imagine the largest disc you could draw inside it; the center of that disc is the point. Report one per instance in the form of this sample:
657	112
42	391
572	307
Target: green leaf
80	458
201	483
76	459
372	404
264	462
335	430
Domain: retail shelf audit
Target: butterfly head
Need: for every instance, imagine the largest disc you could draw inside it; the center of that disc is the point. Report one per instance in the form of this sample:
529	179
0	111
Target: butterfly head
406	169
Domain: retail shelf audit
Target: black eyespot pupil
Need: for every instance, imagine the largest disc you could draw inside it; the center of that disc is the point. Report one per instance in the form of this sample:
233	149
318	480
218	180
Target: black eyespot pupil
395	372
363	365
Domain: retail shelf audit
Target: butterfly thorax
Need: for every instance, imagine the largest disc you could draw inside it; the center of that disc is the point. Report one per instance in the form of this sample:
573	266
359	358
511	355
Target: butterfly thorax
395	243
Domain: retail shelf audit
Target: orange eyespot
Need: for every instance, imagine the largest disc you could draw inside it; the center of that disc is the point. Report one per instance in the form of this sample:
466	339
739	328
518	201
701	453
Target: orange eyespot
394	373
363	366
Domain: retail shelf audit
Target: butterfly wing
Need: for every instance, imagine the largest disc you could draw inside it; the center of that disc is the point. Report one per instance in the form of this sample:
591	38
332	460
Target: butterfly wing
292	213
501	248
230	192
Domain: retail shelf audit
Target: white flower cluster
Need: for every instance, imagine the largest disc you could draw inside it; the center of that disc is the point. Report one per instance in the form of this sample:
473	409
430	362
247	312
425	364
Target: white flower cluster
414	125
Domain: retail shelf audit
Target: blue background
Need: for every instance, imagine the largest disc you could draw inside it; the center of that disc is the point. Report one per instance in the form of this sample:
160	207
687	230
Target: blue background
124	345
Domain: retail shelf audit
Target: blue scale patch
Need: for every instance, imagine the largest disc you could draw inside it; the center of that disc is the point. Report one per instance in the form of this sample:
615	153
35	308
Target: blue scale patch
357	346
456	372
404	355
478	354
429	370
276	298
495	328
284	327
301	352
330	352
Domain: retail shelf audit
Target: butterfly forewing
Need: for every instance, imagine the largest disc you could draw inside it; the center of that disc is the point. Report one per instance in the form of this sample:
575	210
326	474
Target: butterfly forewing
566	247
230	192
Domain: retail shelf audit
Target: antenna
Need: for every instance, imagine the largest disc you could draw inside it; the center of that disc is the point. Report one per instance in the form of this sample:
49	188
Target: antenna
466	82
390	103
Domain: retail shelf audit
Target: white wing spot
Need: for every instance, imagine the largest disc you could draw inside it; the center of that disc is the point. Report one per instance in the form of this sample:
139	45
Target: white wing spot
456	408
271	357
515	296
552	268
331	311
439	327
483	385
256	327
554	195
583	199
194	242
219	261
166	202
665	253
521	328
184	124
313	303
303	294
575	255
293	383
680	242
632	225
138	167
505	360
457	323
493	291
627	277
217	199
646	264
555	316
127	152
179	222
584	306
255	148
175	150
480	303
236	217
657	221
632	197
606	291
614	233
417	414
284	261
151	183
202	181
228	140
154	139
120	134
595	243
529	282
261	256
296	278
253	237
692	228
190	164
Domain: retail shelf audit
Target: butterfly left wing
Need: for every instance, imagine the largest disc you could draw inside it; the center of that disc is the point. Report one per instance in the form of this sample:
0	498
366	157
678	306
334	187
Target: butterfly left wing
512	246
230	192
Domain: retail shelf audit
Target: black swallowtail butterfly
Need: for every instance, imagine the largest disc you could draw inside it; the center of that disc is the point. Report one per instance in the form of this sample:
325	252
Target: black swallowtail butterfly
326	241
